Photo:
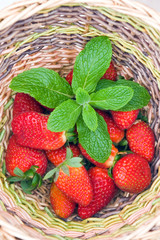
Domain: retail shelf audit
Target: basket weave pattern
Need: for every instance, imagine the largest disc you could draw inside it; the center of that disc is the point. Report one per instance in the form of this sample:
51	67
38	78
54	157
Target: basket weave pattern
49	35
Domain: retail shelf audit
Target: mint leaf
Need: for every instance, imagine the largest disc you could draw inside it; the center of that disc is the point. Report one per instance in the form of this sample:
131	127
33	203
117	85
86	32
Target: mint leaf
91	64
97	144
82	96
45	85
140	97
90	117
105	83
64	116
112	98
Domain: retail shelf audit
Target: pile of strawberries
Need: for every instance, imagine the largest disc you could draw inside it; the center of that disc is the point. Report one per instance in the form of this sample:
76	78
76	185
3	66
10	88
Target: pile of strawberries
91	185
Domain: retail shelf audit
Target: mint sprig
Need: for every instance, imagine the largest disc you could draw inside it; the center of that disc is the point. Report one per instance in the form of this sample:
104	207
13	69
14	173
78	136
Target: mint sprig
74	105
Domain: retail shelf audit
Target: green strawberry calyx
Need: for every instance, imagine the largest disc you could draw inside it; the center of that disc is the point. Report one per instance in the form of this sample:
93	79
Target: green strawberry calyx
69	161
29	180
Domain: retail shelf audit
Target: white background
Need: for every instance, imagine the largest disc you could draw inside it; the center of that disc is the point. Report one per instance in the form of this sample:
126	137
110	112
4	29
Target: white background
151	3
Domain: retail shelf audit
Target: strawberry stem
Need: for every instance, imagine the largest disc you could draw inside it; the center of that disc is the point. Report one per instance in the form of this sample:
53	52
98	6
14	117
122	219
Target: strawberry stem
69	161
29	180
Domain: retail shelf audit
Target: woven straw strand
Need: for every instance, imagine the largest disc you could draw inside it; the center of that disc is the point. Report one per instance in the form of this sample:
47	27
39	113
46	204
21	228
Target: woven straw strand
21	10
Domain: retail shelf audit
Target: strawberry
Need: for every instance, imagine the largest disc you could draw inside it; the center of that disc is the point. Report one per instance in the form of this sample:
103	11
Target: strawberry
132	173
30	129
69	77
58	156
111	73
61	204
116	134
24	158
124	120
141	140
74	182
104	190
107	164
25	103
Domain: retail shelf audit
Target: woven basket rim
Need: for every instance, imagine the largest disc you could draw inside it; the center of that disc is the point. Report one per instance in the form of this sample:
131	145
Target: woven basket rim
24	9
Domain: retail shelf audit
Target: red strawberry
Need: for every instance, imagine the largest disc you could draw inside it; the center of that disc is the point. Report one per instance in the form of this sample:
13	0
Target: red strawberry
61	204
141	140
25	103
58	156
104	190
76	185
30	129
124	120
116	134
132	173
24	158
111	73
69	77
107	164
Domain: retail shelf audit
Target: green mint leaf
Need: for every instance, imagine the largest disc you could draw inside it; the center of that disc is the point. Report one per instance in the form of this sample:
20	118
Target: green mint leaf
112	98
45	85
91	64
140	97
105	83
90	117
17	171
65	169
50	173
82	96
97	144
64	116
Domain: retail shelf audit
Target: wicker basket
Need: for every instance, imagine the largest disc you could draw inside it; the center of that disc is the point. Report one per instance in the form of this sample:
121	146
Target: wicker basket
50	33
